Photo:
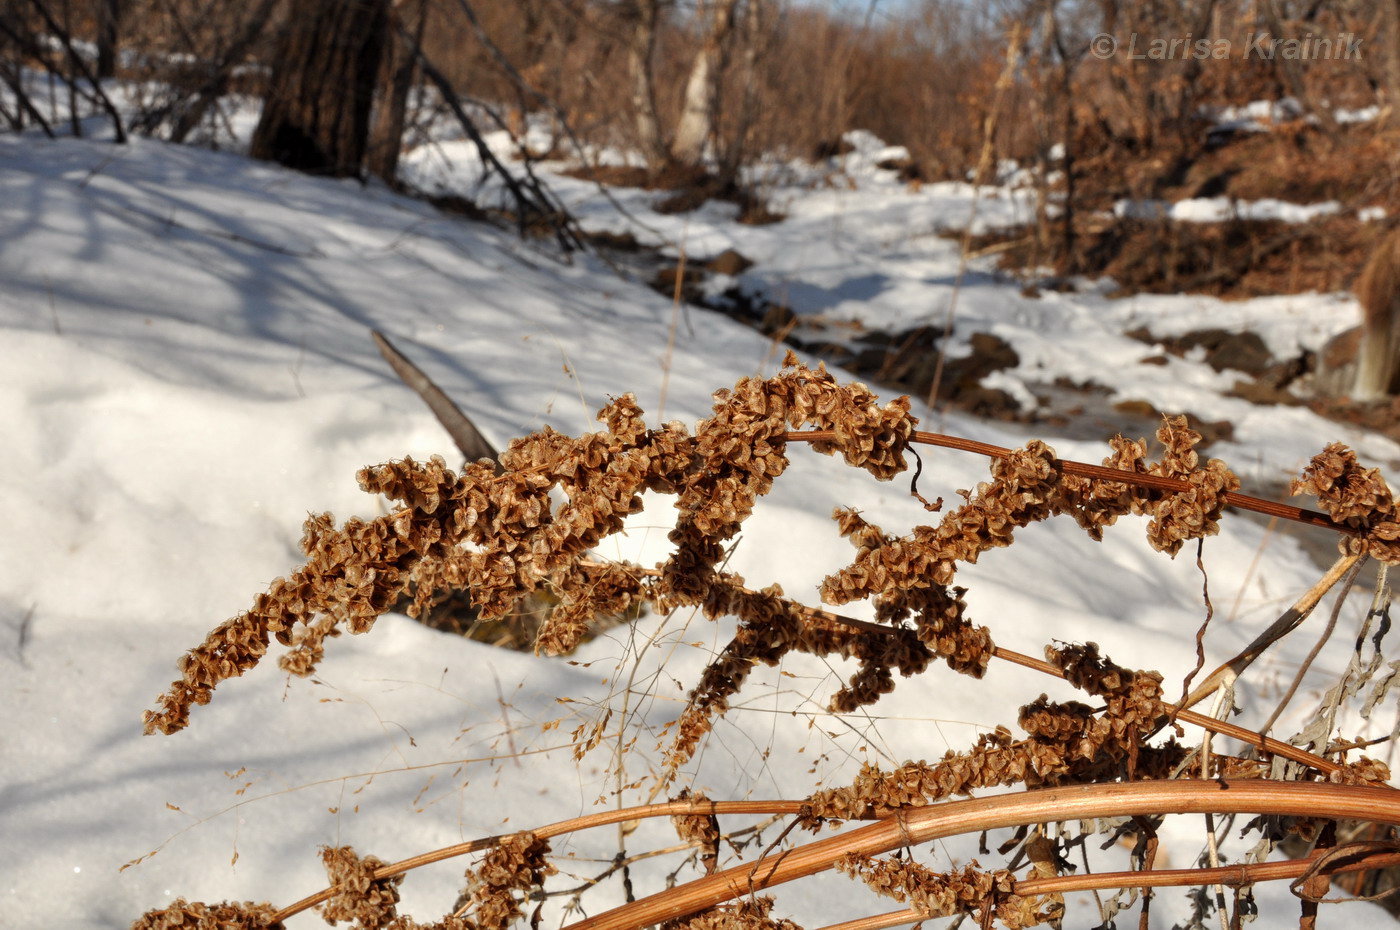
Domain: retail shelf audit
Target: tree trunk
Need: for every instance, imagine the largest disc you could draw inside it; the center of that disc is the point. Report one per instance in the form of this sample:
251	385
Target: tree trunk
734	152
1378	290
316	117
1290	72
641	43
1390	30
699	116
386	136
108	21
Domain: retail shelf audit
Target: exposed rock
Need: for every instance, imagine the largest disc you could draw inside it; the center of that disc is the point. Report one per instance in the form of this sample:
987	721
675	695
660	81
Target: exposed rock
1244	352
1212	431
1335	365
1260	391
617	242
1138	408
989	353
1141	334
909	170
961	376
729	262
992	403
665	283
1082	387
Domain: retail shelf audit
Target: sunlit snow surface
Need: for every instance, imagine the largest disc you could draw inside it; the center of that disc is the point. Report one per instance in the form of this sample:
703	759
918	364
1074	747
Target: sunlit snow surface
186	371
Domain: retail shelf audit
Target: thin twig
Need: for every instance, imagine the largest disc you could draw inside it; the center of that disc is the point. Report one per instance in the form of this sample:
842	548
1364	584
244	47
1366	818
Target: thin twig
1156	482
1205	624
537	200
1264	541
1230	671
1222	727
671	335
459	426
1347	583
96	95
1224	703
560	828
1229	875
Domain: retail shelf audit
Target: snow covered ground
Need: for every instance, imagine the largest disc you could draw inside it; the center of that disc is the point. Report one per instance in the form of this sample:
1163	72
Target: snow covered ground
186	371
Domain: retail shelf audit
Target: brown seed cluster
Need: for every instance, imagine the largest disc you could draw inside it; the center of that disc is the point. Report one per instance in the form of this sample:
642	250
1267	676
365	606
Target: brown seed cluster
1355	496
495	889
195	915
1067	743
748	913
699	830
360	898
741	449
501	538
495	536
968	890
1095	503
1188	514
1363	771
516	866
592	590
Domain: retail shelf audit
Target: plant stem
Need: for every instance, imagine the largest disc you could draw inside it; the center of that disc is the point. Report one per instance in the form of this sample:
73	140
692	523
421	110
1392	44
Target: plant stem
1232	875
1156	482
572	825
1082	802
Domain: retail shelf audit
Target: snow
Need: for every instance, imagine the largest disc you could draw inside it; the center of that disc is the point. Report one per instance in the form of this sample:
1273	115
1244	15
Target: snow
186	371
1358	115
1258	115
1219	209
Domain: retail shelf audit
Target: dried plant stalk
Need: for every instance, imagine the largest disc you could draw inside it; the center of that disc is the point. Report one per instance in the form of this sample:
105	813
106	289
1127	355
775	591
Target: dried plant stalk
501	537
1299	799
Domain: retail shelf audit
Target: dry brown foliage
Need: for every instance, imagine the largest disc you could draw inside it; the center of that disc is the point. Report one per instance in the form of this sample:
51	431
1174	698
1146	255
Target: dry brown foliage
500	537
945	894
751	913
195	915
1354	496
359	897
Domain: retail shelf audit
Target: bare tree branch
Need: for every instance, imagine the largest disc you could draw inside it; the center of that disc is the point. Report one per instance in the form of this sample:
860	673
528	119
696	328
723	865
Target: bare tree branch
459	426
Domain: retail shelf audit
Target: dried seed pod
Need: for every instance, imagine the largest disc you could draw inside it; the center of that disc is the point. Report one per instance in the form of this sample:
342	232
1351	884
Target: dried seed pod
358	896
196	915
